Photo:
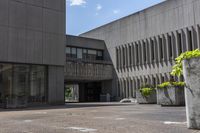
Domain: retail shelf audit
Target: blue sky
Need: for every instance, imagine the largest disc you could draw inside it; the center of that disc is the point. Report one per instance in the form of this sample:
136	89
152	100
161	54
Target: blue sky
84	15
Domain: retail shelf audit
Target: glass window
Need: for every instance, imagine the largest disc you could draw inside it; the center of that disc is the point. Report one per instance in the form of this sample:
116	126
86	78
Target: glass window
22	85
92	54
73	52
99	55
79	53
68	51
84	53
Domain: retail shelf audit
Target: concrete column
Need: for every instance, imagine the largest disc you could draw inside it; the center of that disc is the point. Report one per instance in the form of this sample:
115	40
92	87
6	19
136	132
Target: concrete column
198	36
117	58
122	83
154	51
184	42
176	44
127	88
194	38
147	51
170	44
130	88
134	87
188	47
121	88
165	48
56	85
121	57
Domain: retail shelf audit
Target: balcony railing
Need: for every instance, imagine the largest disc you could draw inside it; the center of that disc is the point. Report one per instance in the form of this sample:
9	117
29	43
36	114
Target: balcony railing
78	69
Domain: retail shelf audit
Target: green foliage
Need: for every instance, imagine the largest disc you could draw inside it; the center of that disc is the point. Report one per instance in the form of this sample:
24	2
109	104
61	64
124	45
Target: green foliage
168	84
178	68
146	91
68	93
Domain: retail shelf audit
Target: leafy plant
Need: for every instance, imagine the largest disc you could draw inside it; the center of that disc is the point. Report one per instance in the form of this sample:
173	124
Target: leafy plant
168	84
68	93
178	68
146	91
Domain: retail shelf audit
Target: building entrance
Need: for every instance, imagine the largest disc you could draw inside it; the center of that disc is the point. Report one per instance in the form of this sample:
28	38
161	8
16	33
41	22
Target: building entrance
90	92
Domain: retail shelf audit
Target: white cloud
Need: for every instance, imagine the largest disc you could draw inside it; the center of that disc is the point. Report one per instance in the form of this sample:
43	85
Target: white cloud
77	2
116	11
99	7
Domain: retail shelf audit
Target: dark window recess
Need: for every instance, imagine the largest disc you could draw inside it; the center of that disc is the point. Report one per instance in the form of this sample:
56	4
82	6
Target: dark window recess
137	54
144	52
180	43
152	52
190	41
123	55
130	57
170	46
163	79
117	58
154	81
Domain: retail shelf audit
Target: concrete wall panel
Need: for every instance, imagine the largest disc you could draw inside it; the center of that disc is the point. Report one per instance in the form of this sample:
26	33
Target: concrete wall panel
56	85
4	12
27	22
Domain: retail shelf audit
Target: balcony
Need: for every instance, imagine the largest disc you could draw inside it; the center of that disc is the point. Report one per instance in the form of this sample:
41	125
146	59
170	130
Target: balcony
88	70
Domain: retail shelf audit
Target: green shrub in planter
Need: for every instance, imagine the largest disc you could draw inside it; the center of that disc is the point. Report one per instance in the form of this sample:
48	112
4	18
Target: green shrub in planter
169	84
146	95
171	94
146	91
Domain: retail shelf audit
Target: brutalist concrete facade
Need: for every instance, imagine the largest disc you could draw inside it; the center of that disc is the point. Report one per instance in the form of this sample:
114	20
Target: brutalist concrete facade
33	32
143	45
84	70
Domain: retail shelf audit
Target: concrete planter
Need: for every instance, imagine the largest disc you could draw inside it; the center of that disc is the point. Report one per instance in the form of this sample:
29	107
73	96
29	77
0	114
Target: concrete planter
171	96
151	99
191	72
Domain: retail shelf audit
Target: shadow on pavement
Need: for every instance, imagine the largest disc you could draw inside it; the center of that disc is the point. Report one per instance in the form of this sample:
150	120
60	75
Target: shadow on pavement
67	106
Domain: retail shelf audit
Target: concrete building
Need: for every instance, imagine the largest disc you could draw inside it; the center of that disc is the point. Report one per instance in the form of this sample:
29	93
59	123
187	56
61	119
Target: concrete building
143	45
89	66
32	43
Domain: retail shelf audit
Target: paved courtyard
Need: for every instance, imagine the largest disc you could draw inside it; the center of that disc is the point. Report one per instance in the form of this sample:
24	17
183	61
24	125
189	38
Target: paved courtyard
95	118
